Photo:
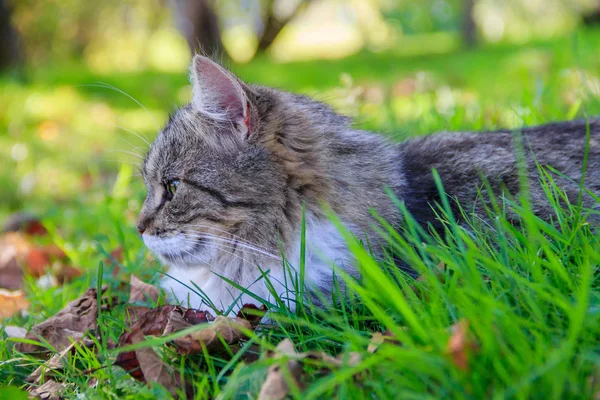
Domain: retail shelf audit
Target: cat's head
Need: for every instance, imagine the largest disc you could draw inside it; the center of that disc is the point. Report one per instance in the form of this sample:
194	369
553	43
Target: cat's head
222	176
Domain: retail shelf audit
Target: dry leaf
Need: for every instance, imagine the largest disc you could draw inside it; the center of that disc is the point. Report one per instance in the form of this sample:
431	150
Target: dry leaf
24	222
141	291
224	329
12	302
66	273
71	323
460	345
276	386
13	247
51	366
37	262
134	313
51	390
153	369
156	322
252	314
146	366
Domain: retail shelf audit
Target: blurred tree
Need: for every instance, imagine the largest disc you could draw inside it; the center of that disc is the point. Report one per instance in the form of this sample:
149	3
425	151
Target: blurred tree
198	21
469	28
592	16
10	43
199	24
274	24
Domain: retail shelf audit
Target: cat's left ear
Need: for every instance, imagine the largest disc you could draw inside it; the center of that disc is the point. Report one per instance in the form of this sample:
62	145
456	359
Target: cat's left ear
219	94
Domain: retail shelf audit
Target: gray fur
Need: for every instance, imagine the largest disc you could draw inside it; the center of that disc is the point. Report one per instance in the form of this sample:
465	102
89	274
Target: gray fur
251	186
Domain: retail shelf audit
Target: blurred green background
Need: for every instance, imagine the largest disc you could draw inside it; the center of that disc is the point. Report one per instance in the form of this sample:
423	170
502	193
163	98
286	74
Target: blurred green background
83	84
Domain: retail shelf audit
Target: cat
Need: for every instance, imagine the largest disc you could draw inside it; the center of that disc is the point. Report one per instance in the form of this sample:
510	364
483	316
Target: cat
228	177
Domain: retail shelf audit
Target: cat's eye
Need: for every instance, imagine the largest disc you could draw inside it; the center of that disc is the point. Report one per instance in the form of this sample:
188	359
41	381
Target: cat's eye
171	187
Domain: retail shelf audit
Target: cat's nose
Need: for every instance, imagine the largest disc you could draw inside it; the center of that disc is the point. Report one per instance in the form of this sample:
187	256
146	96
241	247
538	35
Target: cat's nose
141	228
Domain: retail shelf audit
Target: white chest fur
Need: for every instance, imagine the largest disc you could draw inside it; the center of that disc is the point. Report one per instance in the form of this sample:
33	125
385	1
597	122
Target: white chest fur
194	285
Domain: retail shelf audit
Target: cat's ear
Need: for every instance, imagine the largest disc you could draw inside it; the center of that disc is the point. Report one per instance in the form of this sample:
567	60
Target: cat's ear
219	94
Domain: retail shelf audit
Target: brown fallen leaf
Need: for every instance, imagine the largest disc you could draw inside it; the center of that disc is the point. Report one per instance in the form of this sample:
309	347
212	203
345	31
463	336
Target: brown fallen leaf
144	364
24	222
153	369
50	367
224	330
12	302
252	313
71	323
460	345
141	292
66	273
276	386
13	247
37	262
159	321
51	390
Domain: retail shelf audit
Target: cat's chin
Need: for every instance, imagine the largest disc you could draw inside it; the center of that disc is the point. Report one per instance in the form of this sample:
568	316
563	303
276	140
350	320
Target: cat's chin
179	252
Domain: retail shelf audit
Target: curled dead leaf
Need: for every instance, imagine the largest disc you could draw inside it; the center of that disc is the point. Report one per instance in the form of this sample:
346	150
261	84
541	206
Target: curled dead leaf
159	321
223	332
69	324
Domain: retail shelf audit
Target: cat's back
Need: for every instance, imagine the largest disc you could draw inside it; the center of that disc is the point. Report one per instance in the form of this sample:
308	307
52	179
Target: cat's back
461	159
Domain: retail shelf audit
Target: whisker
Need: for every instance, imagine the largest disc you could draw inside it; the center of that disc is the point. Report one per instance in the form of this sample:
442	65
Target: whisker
136	134
124	162
212	267
223	248
134	147
127	152
107	86
229	234
232	242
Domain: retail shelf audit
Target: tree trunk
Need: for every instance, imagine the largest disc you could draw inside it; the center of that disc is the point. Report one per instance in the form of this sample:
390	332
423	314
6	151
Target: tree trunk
592	17
10	49
199	24
273	26
469	27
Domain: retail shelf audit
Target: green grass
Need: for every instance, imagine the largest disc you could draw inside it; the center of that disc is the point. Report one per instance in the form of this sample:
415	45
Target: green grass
530	293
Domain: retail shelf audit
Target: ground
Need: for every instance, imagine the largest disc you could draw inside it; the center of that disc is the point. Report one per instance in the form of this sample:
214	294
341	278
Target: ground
529	296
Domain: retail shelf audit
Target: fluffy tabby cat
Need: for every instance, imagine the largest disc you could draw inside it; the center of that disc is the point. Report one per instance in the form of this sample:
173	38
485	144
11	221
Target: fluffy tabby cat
227	177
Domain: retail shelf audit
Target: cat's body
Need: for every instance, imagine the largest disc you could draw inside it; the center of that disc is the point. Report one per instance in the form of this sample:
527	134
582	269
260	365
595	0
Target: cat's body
228	176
